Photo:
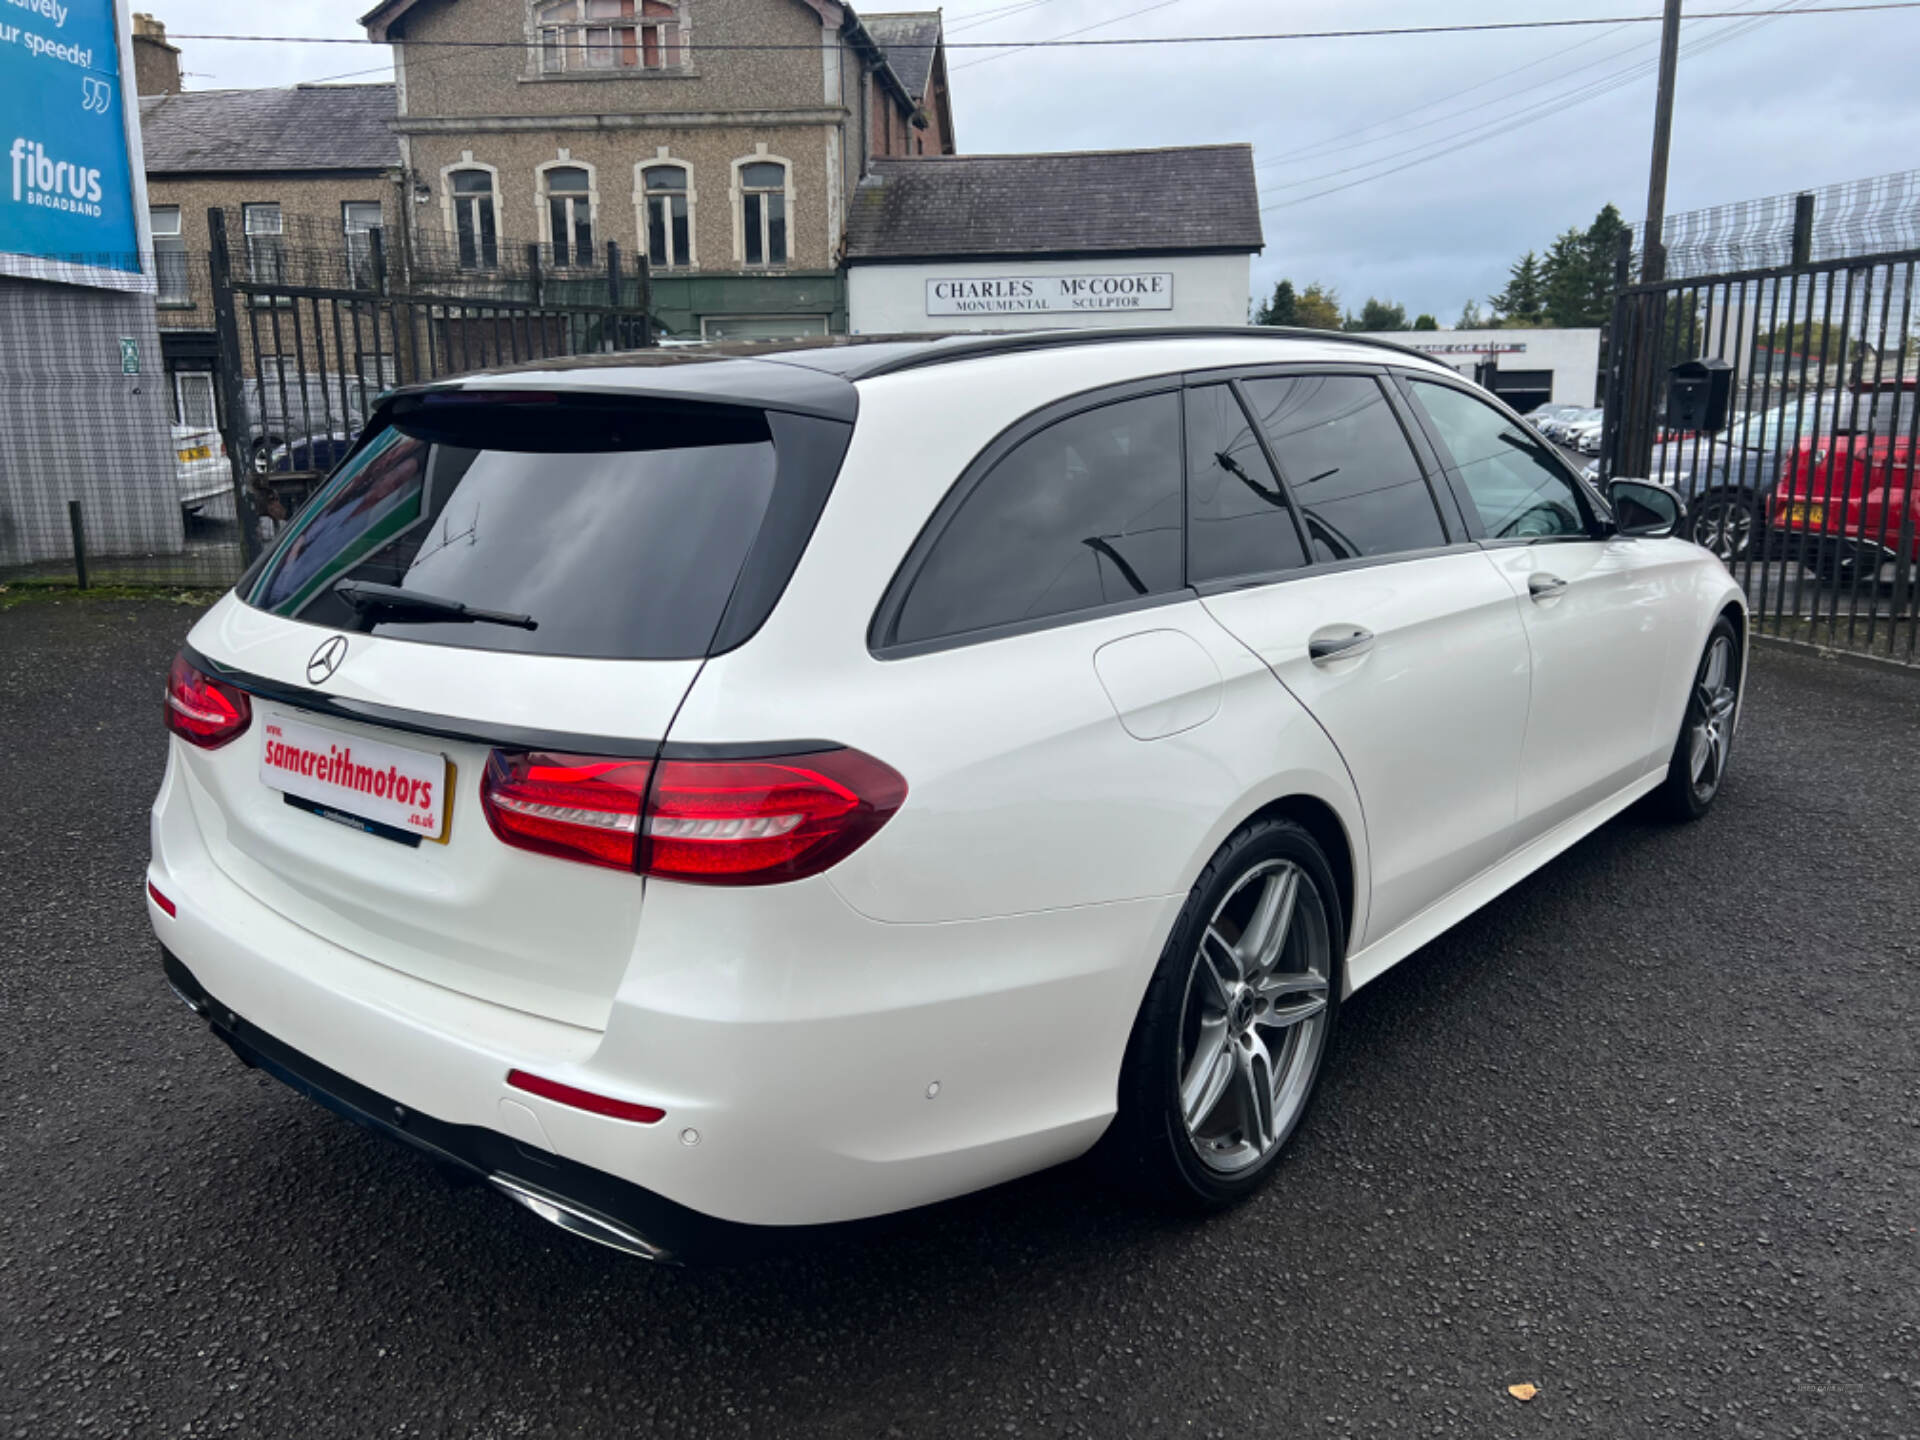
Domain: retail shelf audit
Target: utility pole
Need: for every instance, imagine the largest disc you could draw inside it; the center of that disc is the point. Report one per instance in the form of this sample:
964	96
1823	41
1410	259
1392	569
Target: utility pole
1653	258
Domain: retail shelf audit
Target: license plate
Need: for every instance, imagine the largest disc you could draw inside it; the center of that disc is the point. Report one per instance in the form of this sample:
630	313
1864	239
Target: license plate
391	785
197	452
1807	515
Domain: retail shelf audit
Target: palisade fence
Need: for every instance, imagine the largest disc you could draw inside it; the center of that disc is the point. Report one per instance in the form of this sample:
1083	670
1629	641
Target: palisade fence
1808	488
258	366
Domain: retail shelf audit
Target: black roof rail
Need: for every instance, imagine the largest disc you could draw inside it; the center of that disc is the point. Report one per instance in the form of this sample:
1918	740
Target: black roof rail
943	350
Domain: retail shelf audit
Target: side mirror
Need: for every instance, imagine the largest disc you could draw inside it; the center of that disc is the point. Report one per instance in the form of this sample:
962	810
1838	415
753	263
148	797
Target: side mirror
1644	510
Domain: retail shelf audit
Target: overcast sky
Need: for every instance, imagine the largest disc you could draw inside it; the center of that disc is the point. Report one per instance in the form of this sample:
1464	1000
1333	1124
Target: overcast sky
1765	106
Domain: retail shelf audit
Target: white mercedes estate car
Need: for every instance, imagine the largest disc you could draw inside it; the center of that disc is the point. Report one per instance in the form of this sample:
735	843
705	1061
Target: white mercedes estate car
707	790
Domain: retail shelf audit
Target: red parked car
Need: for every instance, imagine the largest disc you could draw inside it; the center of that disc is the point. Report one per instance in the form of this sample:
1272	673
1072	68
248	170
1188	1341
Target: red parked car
1846	502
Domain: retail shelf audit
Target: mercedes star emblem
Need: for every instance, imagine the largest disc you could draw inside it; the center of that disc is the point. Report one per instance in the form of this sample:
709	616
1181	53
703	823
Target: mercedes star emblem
326	659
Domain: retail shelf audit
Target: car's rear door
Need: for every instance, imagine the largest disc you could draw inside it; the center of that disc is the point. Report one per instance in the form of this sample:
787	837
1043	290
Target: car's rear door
1349	574
1597	629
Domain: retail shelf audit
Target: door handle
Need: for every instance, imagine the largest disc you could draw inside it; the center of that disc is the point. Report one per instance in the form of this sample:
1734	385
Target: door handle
1338	642
1543	586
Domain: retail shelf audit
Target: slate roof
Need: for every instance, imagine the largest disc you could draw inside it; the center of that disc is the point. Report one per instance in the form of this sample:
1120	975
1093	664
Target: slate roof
910	39
307	127
1078	202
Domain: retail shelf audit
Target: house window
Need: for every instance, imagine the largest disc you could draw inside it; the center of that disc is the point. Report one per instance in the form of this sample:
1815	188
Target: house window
473	221
170	256
266	243
609	35
193	399
360	220
570	214
669	219
763	212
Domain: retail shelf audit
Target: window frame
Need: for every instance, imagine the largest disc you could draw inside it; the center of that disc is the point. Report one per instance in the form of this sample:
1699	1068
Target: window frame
740	191
672	38
170	242
349	234
643	212
278	234
1594	508
453	200
886	616
589	196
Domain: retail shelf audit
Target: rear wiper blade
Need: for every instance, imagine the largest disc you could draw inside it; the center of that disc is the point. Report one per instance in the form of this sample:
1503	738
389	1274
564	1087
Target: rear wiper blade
371	598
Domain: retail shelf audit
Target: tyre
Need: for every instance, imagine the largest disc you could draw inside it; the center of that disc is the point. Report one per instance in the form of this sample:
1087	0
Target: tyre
1728	523
1701	753
1228	1044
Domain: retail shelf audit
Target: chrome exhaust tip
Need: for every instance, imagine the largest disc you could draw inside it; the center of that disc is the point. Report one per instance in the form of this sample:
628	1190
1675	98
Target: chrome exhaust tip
576	1220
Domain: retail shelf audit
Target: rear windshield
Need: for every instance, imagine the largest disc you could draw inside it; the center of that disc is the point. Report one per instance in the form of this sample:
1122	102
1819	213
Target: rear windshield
581	526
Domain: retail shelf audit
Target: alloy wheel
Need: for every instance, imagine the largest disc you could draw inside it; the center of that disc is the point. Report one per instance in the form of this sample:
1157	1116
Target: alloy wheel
1254	1018
1724	527
1711	731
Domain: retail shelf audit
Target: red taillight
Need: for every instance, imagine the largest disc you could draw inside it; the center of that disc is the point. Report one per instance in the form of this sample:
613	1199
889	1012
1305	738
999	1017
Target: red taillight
755	822
577	807
715	822
161	900
584	1099
204	711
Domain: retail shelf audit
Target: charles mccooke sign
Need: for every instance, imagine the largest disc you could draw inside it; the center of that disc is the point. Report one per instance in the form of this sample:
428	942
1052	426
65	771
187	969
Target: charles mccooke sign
1049	294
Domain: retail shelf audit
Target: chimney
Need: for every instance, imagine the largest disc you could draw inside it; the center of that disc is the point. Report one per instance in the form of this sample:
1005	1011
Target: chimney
156	64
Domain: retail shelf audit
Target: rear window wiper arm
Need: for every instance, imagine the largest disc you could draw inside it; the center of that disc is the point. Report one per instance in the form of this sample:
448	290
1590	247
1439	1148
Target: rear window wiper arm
370	598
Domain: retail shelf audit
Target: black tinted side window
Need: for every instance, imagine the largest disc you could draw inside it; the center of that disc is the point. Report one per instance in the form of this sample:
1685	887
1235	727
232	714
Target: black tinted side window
1238	520
1348	465
1086	512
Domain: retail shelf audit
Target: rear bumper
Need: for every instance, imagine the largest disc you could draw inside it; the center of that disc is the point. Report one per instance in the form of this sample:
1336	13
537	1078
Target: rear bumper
814	1066
576	1197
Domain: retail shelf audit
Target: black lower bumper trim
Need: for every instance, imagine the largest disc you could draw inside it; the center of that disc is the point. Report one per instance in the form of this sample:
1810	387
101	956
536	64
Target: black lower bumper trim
668	1231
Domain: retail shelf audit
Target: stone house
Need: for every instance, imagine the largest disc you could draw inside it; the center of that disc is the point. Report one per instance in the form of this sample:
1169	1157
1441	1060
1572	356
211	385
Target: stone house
306	175
720	139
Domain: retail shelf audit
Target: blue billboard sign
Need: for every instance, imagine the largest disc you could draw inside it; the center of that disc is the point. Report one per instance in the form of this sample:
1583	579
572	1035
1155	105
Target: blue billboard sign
66	185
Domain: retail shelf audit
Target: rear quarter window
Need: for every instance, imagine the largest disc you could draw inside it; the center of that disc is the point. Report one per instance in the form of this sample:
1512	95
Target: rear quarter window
1084	513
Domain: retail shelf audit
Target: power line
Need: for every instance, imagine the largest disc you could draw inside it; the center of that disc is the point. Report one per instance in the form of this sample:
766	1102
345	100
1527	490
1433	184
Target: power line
1485	129
1108	42
1084	29
1504	124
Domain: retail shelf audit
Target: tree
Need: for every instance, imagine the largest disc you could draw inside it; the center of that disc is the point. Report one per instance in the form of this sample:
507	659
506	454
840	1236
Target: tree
1378	315
1470	316
1282	309
1318	308
1522	299
1566	280
1424	321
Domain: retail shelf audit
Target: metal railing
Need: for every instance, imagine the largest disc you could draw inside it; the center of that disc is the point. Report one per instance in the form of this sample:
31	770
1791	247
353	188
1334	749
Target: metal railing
245	384
1807	486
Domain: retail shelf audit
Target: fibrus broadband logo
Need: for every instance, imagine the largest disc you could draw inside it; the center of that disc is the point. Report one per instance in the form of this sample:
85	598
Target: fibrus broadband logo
39	179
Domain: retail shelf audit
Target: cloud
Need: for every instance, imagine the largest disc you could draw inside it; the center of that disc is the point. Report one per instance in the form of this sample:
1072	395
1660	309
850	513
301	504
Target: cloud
1793	104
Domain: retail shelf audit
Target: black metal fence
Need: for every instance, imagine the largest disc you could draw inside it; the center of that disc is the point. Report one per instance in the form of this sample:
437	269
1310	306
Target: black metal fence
1806	485
248	377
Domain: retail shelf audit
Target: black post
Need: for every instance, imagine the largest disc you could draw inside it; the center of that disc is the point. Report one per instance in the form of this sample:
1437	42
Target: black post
533	272
613	333
377	254
235	430
1803	229
79	528
1653	257
646	304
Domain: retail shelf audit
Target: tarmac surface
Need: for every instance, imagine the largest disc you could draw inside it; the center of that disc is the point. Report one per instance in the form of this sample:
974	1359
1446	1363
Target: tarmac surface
1643	1133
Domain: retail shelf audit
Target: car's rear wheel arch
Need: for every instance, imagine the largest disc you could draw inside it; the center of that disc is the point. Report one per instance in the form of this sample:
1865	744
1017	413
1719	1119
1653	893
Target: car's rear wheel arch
1320	821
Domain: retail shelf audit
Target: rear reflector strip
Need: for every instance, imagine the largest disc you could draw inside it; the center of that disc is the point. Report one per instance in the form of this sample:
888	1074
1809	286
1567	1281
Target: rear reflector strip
584	1099
161	900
